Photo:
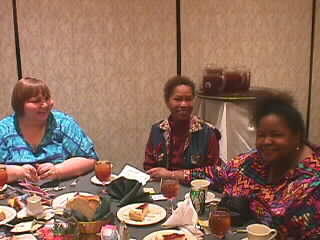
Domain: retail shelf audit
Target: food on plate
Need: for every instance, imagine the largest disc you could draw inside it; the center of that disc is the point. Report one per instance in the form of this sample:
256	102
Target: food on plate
140	212
17	202
86	205
2	215
170	236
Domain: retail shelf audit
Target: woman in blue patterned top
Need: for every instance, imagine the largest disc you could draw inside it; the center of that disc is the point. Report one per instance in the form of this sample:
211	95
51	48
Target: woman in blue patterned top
39	143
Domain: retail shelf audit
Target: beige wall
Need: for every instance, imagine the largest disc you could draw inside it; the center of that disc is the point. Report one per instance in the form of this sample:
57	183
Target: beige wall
271	37
8	67
106	60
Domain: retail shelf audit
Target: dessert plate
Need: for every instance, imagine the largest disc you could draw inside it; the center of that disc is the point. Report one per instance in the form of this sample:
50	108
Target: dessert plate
25	237
209	198
29	226
61	201
156	214
152	236
96	181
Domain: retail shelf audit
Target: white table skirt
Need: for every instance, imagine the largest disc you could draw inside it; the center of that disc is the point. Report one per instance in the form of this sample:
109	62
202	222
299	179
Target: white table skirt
232	118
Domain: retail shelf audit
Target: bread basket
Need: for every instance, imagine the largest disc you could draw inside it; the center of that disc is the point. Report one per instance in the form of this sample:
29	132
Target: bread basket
94	226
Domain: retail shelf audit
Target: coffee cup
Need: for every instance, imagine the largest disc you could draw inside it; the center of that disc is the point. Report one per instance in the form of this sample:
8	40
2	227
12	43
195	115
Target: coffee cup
261	232
34	206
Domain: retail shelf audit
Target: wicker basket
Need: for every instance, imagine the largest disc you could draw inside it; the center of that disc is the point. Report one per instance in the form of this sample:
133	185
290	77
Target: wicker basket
93	227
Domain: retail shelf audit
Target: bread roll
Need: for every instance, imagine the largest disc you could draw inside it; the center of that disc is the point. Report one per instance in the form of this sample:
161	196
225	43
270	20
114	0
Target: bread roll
2	215
87	205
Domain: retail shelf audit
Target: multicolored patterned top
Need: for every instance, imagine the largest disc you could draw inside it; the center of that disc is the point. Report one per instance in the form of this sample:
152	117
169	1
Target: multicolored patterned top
292	206
64	139
200	147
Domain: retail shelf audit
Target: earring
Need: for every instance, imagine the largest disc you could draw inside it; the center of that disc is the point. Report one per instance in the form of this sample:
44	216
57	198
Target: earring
297	148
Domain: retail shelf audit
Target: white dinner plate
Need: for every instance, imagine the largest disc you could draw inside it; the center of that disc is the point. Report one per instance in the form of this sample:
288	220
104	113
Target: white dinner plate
156	214
10	214
4	187
209	198
95	180
61	201
152	236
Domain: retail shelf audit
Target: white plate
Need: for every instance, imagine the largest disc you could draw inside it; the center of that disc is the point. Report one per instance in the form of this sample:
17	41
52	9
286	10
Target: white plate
210	196
152	236
47	214
25	237
156	214
4	187
60	201
95	180
10	214
26	227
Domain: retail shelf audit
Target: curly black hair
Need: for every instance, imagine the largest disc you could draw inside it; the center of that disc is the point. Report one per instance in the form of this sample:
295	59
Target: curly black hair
281	104
175	81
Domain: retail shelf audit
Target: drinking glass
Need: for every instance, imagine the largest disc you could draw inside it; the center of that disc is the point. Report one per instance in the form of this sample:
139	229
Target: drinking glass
219	222
103	170
170	189
3	176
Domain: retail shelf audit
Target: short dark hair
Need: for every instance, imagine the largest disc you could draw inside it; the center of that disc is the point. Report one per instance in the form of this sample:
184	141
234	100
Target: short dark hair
175	81
25	89
281	104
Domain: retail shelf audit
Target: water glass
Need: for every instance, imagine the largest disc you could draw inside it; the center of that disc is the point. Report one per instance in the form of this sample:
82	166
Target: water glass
219	222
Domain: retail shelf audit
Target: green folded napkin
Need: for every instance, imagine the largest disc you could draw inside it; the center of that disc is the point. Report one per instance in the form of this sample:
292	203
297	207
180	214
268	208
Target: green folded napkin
127	191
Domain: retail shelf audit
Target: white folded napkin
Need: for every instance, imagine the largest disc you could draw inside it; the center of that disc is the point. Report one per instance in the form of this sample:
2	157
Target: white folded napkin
184	214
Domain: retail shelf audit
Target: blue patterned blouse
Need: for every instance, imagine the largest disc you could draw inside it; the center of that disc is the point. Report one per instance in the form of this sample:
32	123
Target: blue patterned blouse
64	139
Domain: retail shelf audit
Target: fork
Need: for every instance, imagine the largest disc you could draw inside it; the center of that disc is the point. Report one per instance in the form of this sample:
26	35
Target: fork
74	182
56	189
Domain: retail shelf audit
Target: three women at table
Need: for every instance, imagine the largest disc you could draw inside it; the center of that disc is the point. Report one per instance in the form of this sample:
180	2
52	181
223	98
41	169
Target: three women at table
37	142
281	178
183	141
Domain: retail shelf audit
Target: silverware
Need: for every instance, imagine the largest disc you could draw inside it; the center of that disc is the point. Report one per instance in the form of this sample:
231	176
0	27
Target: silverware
56	189
16	189
240	231
8	225
74	182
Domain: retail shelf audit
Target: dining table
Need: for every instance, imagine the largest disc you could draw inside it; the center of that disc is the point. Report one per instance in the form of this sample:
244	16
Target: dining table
84	184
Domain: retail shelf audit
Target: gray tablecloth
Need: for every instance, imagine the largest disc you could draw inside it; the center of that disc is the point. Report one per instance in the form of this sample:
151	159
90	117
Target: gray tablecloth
137	232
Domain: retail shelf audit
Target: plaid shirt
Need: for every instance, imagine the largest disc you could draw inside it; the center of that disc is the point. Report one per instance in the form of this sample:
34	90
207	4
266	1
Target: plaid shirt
292	206
63	139
201	147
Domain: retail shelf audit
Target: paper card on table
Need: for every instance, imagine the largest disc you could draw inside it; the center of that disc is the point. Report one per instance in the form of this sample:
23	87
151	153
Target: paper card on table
158	197
149	190
134	173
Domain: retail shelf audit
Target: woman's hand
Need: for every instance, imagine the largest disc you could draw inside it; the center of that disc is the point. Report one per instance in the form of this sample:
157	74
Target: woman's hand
158	172
47	171
30	173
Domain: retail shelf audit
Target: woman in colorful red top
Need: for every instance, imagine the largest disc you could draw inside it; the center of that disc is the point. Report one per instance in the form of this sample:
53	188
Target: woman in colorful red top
183	141
281	178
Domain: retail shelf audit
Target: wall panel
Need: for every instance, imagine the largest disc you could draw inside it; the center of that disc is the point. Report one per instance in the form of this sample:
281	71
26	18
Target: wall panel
8	69
271	37
314	133
106	62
